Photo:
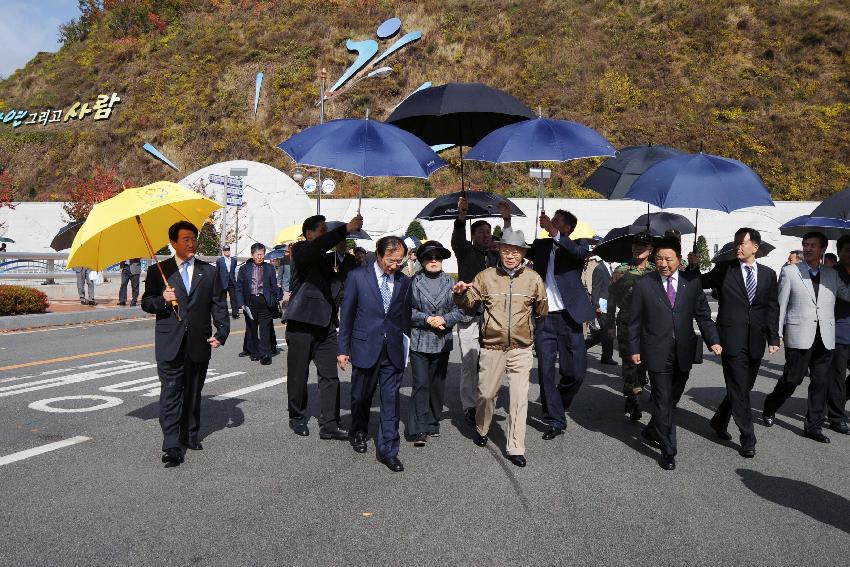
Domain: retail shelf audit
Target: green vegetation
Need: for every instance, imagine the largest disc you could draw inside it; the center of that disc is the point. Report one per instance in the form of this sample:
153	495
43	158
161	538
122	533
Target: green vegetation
416	229
21	300
702	253
763	82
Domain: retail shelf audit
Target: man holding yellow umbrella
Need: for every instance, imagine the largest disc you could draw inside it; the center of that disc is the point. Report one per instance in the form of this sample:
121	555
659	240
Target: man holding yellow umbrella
184	293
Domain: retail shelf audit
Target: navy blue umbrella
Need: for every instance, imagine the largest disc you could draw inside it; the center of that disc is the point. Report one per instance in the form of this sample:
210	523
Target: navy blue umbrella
363	147
832	228
275	254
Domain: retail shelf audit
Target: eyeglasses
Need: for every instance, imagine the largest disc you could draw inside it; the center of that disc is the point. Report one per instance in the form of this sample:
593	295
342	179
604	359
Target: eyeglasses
393	262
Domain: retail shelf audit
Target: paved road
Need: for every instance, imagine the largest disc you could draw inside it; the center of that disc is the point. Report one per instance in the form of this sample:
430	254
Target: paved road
88	488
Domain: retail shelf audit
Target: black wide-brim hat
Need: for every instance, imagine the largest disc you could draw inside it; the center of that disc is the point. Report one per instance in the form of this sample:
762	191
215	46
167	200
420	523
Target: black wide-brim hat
431	248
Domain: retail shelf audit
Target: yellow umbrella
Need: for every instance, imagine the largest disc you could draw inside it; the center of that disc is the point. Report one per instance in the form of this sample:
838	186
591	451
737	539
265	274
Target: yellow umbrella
289	234
582	230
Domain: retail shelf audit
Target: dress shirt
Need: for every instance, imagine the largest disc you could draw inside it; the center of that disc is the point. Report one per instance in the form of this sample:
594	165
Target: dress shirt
257	278
755	268
379	274
552	291
190	270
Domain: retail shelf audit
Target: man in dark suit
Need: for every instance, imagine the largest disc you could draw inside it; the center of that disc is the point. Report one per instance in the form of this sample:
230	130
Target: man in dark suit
600	281
311	327
131	272
559	261
227	272
257	290
183	337
661	335
748	317
837	390
374	335
340	263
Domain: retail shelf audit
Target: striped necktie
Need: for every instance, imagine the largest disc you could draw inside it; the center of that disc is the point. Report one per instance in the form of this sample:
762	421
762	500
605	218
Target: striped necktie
386	294
751	284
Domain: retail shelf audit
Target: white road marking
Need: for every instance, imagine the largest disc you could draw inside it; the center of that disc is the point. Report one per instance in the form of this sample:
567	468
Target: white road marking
105	402
21	455
68	379
249	389
140	319
146	384
155	390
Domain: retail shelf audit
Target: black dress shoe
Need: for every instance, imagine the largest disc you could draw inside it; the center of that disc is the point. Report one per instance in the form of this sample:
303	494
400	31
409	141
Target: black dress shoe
122	303
84	302
551	433
840	427
172	457
480	440
254	358
633	408
768	419
420	440
469	415
335	435
609	362
720	431
817	436
266	361
244	353
647	437
300	429
92	302
392	463
748	452
518	460
667	462
133	303
359	442
196	446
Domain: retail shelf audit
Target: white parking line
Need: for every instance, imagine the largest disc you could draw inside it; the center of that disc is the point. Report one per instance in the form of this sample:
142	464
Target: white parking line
74	378
21	455
249	389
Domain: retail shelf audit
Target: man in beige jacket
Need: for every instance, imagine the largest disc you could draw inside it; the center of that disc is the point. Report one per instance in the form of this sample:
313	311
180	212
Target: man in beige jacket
510	295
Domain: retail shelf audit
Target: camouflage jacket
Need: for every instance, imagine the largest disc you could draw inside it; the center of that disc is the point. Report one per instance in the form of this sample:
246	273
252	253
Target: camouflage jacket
620	292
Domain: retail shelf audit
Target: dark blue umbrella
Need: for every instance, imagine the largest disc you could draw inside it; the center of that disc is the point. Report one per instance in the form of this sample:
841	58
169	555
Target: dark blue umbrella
700	181
363	147
541	139
832	228
616	175
275	254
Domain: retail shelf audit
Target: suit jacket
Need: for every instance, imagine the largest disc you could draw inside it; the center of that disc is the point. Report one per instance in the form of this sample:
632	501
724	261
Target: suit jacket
655	327
271	291
338	279
569	263
601	281
228	277
364	327
739	323
842	311
800	313
133	267
311	300
204	301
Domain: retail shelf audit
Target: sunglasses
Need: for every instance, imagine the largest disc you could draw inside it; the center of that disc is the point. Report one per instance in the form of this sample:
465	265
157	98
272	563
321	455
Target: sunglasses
432	259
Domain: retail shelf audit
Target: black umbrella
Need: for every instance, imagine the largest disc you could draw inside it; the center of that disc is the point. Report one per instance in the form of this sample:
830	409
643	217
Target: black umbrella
616	174
65	237
616	246
481	205
358	234
659	223
458	113
727	252
836	206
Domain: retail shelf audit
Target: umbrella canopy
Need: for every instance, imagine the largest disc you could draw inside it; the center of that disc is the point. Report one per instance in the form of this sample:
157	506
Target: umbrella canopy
458	113
832	228
616	246
275	253
366	148
659	223
358	234
616	175
6	239
700	181
482	205
541	139
836	206
583	231
135	222
289	234
727	252
65	237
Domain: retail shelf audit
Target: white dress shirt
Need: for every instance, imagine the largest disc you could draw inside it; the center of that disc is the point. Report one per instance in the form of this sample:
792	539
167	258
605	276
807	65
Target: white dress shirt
552	292
379	273
744	267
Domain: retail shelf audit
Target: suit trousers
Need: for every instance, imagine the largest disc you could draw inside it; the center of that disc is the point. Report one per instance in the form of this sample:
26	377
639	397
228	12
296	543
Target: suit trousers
667	389
516	363
470	347
133	280
558	337
817	359
385	377
600	335
739	372
231	291
83	281
837	388
259	327
311	343
429	387
181	381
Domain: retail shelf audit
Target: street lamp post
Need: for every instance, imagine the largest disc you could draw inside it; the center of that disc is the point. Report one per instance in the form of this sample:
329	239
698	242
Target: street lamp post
323	78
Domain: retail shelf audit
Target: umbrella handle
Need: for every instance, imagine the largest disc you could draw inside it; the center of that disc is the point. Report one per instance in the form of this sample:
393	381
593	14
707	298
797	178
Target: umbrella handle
156	262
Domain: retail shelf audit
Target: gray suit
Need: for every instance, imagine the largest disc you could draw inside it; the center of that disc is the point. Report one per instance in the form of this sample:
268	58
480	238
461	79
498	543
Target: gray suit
807	326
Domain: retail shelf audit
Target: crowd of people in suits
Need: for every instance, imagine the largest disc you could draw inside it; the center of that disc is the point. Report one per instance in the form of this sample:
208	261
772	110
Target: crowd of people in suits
513	301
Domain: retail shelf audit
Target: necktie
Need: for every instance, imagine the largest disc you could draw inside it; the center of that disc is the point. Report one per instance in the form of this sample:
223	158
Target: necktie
184	273
671	291
386	294
751	284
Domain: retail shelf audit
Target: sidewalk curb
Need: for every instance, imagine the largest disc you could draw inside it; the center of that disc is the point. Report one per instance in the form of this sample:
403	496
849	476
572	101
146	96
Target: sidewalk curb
22	322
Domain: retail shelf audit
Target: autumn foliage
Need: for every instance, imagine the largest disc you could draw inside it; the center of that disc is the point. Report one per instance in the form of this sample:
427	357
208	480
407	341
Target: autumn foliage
85	192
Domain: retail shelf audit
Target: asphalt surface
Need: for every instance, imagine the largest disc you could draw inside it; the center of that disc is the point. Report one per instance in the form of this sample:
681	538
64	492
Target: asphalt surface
258	495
